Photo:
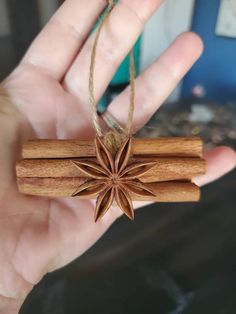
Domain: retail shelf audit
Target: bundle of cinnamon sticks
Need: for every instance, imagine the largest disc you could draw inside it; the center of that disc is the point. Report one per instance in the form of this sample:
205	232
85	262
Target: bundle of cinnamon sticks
47	167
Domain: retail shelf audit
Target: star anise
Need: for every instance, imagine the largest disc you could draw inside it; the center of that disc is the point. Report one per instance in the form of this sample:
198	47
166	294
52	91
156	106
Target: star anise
113	178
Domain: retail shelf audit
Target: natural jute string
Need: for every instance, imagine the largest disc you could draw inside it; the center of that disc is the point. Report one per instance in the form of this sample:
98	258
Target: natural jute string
114	136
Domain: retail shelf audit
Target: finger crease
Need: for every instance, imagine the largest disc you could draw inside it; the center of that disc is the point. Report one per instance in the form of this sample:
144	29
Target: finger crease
169	70
134	13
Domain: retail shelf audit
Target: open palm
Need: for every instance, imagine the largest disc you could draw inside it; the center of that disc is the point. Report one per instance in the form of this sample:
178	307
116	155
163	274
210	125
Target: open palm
49	90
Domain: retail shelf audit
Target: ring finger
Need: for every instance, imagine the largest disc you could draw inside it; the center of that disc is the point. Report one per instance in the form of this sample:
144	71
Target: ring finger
155	84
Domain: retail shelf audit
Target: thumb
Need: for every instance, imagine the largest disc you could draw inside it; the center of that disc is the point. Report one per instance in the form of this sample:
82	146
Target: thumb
11	123
220	161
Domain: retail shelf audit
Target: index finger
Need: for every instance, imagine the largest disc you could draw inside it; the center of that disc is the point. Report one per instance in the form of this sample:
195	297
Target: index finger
56	46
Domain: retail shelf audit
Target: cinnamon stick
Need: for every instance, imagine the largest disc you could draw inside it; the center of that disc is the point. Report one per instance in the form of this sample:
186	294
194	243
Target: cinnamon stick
166	146
65	187
166	168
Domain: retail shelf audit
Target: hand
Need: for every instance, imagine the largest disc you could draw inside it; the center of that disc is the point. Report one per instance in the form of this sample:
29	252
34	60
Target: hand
49	90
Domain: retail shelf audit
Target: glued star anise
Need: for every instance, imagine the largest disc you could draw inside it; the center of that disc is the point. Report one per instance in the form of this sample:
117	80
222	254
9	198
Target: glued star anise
113	178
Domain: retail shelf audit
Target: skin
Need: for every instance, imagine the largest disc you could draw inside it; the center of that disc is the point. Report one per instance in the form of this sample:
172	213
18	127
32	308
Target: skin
48	98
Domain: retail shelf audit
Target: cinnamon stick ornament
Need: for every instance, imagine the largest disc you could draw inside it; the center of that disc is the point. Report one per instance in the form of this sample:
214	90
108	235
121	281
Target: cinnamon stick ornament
114	168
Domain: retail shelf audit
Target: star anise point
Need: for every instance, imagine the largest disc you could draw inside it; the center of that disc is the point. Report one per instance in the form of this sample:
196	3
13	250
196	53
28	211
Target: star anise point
113	178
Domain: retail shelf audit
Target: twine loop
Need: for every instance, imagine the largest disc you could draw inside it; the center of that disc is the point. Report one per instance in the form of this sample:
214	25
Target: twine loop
113	138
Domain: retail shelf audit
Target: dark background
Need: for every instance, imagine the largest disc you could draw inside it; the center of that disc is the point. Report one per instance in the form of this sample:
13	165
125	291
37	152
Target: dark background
175	258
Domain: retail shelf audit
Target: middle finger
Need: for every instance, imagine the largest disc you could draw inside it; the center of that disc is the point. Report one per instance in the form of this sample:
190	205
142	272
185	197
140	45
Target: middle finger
121	30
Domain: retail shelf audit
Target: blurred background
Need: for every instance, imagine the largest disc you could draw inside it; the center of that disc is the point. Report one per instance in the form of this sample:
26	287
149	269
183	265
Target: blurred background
175	258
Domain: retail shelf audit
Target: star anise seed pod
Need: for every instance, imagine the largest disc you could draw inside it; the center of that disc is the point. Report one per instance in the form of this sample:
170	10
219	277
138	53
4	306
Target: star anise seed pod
113	178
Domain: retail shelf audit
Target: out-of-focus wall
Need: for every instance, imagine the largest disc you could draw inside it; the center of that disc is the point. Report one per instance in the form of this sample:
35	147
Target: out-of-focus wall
46	9
174	17
216	70
4	23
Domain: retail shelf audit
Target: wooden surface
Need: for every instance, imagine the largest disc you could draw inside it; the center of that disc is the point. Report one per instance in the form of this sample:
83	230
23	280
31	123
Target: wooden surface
58	187
169	146
166	168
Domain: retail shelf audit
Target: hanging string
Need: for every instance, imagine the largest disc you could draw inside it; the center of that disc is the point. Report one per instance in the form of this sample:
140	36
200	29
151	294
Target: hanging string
132	93
95	117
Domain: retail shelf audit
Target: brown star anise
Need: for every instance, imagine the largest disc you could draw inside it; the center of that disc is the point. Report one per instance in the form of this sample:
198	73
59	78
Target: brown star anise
113	178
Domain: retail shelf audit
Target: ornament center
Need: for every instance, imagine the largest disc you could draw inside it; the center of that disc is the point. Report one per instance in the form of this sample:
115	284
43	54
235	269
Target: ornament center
114	179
